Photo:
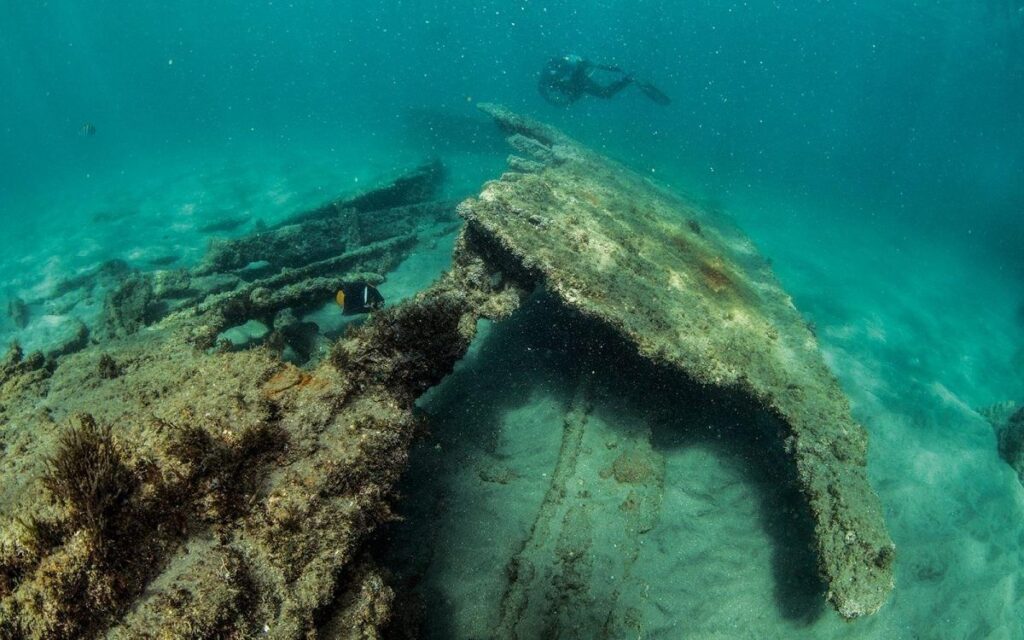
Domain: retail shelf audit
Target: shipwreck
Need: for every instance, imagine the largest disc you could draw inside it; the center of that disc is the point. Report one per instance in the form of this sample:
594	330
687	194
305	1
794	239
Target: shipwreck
158	482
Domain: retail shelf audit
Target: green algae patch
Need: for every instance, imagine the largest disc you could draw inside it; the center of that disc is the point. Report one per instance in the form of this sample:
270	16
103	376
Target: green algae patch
690	292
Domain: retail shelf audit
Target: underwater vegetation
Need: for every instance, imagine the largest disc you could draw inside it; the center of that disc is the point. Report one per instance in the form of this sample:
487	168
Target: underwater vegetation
89	481
197	489
92	489
115	518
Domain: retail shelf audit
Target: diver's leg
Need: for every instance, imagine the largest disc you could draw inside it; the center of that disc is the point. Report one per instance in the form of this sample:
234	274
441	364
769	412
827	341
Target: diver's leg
607	91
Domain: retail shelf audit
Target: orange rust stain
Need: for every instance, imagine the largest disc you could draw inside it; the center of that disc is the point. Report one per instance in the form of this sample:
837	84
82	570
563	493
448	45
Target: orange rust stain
285	379
313	382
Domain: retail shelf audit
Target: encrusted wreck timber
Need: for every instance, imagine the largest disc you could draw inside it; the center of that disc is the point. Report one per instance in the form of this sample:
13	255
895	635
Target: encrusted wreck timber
376	228
696	297
297	288
232	492
319	238
419	185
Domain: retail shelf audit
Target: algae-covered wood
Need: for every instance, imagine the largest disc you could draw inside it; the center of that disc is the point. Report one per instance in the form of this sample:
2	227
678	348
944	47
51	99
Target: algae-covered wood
691	292
154	487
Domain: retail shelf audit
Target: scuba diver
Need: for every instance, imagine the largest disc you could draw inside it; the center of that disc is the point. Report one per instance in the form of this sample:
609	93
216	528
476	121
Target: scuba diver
567	79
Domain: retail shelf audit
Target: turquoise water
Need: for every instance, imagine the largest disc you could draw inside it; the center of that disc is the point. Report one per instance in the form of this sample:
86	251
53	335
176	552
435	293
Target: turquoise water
874	152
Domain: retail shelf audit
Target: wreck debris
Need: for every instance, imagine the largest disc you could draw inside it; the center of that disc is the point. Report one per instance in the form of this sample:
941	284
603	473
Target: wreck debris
229	223
249	487
1007	421
560	530
18	312
305	260
259	273
316	239
420	185
129	307
699	302
1011	442
106	272
255	467
297	288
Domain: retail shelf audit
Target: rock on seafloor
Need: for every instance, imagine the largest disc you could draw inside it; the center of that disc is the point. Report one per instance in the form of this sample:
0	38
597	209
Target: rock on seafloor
1007	421
157	484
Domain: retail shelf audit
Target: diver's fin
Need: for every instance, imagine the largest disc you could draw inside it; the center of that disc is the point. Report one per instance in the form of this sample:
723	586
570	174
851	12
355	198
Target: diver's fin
653	92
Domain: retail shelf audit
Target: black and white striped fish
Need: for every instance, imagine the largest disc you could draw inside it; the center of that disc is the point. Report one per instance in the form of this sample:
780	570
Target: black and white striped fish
359	297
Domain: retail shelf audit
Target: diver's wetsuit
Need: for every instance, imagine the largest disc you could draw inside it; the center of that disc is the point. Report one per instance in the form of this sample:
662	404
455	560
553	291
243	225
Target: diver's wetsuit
567	79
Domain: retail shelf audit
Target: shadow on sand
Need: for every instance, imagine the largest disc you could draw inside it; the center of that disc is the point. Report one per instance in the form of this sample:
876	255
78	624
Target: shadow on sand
547	348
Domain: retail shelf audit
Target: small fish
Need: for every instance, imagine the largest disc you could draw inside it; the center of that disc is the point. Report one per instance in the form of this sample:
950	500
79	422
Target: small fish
358	297
88	129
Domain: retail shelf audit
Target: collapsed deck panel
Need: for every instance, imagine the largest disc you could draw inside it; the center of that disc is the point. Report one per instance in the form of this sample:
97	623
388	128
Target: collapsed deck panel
691	292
